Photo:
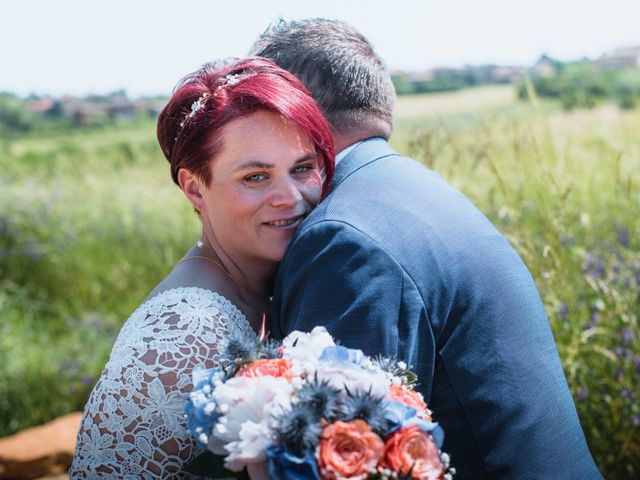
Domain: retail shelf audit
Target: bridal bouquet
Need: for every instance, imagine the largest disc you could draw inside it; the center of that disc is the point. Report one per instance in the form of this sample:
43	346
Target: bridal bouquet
307	408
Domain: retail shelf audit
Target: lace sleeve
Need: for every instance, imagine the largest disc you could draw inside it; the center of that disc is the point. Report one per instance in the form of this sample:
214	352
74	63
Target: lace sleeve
133	424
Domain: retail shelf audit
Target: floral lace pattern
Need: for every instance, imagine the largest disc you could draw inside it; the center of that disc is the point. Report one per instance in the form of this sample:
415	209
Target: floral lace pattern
133	425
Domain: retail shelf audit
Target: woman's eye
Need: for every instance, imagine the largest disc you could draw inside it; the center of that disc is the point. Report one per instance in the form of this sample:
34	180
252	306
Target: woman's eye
256	177
302	168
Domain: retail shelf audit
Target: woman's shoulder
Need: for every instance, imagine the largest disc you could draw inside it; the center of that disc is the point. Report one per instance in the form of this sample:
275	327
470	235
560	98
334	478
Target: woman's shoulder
142	388
186	303
182	315
184	299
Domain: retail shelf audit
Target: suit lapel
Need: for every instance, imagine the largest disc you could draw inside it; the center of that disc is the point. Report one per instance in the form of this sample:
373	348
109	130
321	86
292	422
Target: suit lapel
367	152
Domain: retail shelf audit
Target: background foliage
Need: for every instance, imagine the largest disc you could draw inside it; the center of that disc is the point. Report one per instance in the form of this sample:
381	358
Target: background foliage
583	85
90	222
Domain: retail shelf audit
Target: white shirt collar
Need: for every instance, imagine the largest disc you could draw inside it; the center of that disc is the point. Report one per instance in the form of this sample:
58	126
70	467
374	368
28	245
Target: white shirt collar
344	152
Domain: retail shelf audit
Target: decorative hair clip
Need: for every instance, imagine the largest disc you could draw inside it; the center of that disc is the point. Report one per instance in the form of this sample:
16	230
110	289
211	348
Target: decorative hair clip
195	108
231	79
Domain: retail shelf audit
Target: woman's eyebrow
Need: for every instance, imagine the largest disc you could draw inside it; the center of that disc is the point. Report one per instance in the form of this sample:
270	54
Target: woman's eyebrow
267	166
253	164
307	157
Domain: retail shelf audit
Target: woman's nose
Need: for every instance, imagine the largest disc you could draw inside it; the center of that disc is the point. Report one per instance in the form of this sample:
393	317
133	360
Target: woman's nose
286	192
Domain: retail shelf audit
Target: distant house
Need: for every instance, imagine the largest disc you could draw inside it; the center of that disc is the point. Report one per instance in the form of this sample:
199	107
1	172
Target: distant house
119	106
80	111
39	106
442	79
544	67
505	74
628	57
428	75
413	77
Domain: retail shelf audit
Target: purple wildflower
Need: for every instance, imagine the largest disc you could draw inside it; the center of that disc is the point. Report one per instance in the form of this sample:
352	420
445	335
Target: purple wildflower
32	252
623	236
636	420
96	321
595	317
563	311
68	366
636	363
626	393
87	380
583	393
4	227
595	266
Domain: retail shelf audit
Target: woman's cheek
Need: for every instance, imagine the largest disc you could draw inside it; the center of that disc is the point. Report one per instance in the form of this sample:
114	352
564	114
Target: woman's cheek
312	189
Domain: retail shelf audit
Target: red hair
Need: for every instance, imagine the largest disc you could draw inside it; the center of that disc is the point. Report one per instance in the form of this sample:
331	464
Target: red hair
208	99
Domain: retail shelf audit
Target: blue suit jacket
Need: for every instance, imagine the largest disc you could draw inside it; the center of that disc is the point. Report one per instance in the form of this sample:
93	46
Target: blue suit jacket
397	262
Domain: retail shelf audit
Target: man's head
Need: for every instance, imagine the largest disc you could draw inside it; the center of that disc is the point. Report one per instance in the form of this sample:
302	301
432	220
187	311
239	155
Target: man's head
339	66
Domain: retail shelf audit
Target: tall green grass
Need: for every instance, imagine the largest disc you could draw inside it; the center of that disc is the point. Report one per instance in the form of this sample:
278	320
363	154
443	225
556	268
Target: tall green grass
565	190
90	222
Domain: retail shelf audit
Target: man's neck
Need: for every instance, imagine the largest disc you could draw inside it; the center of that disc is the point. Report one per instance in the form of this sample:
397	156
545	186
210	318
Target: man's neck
369	126
345	140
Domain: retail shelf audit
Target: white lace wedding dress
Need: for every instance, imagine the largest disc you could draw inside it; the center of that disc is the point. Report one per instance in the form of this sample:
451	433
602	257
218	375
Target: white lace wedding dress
133	424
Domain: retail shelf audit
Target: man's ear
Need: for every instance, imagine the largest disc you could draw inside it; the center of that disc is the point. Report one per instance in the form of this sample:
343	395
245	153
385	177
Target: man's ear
191	186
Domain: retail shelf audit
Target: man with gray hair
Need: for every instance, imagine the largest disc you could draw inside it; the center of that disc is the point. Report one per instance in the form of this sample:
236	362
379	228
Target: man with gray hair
397	262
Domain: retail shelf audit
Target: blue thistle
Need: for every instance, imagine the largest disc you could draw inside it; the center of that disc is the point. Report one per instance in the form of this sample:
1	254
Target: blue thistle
270	348
237	350
366	407
386	364
396	368
299	429
321	398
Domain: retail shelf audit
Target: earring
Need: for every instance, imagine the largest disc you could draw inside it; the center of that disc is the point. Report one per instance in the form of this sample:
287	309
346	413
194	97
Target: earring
200	243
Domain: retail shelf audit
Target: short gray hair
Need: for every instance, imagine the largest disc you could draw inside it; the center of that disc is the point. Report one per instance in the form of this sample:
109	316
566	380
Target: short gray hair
338	65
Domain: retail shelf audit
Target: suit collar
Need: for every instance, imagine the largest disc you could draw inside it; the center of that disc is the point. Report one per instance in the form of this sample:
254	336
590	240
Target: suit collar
366	152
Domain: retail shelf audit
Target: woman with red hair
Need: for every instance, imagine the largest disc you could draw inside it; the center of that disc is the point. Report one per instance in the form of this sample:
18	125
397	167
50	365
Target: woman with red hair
253	154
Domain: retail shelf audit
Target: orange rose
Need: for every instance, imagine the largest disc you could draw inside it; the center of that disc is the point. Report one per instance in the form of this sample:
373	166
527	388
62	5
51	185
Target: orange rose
410	398
348	450
409	448
274	367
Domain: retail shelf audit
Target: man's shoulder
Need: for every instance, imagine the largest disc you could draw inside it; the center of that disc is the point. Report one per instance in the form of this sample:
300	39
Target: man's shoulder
396	207
394	194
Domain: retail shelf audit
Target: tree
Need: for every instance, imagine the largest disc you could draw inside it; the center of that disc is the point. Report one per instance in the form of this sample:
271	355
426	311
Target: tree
14	116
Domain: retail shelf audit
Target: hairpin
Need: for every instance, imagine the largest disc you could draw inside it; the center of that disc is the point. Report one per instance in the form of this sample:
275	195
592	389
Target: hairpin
195	108
230	79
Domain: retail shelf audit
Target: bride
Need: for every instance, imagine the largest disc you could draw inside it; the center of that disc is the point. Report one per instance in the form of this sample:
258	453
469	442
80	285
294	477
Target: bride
253	154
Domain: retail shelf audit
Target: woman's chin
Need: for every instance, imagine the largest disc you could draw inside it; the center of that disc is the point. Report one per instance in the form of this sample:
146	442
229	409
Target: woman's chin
275	244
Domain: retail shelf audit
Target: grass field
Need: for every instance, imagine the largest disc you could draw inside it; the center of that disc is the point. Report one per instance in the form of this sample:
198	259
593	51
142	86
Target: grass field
462	101
90	221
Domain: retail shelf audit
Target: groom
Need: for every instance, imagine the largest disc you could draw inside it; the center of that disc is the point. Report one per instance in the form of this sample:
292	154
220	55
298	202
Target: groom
396	262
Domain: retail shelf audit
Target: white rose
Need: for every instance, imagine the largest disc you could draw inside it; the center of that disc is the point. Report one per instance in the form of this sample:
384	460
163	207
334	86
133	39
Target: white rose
247	405
250	448
303	350
356	378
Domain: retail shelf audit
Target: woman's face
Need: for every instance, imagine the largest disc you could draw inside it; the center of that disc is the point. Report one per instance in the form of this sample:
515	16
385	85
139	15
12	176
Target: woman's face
264	182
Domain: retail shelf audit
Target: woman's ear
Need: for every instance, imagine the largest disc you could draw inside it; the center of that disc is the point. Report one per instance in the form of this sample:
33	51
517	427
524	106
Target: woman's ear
191	186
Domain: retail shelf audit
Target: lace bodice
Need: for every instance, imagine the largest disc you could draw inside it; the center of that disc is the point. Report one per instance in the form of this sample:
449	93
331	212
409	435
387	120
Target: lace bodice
133	425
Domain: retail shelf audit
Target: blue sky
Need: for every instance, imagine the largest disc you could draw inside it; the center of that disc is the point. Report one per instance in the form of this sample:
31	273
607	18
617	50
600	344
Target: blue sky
146	46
